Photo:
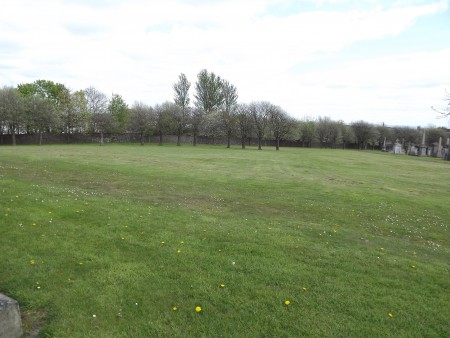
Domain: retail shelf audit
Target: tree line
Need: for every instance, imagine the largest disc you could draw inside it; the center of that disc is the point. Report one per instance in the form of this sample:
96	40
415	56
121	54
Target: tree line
45	107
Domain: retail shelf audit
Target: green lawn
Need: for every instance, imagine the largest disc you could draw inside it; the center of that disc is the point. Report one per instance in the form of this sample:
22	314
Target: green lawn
106	241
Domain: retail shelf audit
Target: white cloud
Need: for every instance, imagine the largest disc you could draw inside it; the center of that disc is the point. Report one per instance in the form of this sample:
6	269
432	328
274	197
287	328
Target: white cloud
138	48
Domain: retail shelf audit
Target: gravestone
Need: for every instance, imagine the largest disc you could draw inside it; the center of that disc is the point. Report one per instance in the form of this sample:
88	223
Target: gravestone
10	323
439	149
447	150
398	148
413	151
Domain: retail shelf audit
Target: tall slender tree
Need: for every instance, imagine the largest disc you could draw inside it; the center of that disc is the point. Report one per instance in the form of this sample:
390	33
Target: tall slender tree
208	91
181	98
228	109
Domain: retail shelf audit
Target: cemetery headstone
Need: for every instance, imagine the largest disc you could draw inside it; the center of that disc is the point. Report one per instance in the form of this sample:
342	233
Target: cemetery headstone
397	148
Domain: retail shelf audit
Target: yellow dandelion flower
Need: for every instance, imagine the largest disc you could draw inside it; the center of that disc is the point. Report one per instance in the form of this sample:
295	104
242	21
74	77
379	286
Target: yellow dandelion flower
81	263
413	266
222	285
163	242
287	302
32	261
304	289
34	224
182	242
178	251
390	315
174	308
198	309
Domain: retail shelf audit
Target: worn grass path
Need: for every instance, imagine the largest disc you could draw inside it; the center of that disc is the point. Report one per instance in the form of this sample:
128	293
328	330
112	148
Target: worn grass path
108	241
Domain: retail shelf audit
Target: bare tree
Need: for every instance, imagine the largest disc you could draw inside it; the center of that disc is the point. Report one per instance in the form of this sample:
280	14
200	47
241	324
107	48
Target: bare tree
327	131
445	111
307	130
12	110
140	119
162	120
281	124
197	117
245	122
260	114
346	134
96	102
100	114
362	132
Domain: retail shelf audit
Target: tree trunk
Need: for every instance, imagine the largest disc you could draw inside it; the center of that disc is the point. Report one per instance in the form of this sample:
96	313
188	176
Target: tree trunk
160	138
178	140
142	139
40	137
243	142
194	141
13	134
277	147
259	143
101	138
228	138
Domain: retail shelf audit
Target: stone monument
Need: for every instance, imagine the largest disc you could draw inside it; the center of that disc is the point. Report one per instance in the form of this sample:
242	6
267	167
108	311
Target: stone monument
10	322
383	148
423	147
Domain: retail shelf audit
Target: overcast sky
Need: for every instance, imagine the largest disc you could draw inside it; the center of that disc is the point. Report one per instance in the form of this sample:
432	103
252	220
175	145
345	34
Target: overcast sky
379	61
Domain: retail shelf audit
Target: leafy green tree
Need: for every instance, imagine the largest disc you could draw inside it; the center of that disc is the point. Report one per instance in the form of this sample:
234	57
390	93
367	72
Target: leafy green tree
41	115
118	108
12	110
208	91
59	95
181	89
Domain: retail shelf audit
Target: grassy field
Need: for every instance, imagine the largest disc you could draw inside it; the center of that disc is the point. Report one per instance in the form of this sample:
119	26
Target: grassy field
126	241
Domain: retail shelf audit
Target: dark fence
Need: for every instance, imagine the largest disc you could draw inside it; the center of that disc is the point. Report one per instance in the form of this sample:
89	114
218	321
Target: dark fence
136	138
